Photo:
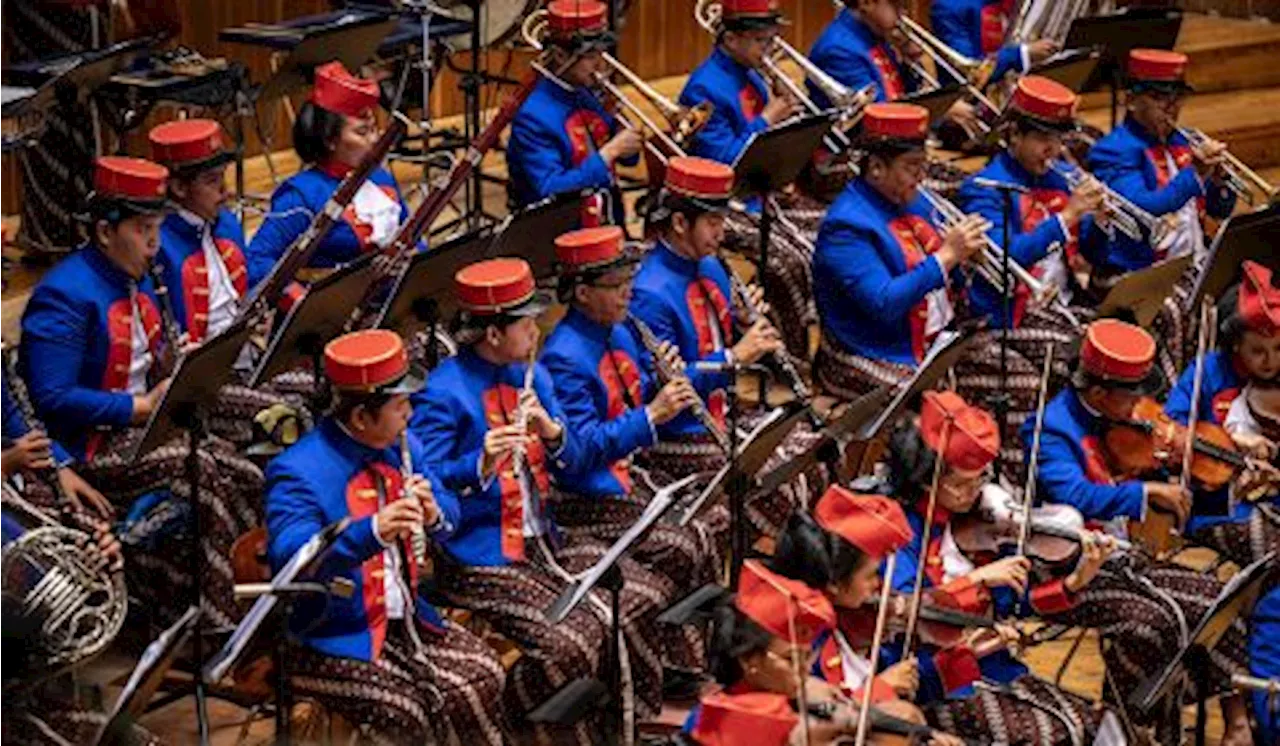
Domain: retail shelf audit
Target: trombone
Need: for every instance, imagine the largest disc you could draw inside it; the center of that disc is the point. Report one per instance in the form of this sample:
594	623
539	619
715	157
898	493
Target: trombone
1239	178
991	260
974	73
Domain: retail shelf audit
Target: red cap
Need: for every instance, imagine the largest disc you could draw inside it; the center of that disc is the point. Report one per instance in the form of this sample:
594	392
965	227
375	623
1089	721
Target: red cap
495	286
972	438
365	360
1045	99
1157	65
186	142
1114	350
895	122
786	608
121	177
699	178
751	717
1259	300
341	92
873	523
569	17
590	248
738	10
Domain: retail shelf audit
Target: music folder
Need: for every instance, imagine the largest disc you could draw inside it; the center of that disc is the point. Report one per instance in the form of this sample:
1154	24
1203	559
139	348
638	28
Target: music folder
1114	35
946	351
1073	68
774	158
1143	291
938	102
1245	237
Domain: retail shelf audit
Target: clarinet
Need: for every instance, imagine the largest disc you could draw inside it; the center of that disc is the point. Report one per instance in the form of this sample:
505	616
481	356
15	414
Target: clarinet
418	542
22	399
786	364
168	322
667	373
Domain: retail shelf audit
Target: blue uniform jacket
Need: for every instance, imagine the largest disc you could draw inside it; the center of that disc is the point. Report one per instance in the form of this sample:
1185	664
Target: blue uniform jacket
295	204
1220	386
77	346
185	274
976	29
1073	467
555	144
602	382
673	295
738	95
1132	162
1264	660
323	478
870	295
1033	231
465	396
15	426
848	51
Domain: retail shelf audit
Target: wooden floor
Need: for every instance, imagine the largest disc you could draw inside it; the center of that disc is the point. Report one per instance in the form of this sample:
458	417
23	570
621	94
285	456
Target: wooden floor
1234	65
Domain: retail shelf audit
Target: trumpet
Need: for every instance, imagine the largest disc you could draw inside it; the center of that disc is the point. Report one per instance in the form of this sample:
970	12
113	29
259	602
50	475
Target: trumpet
975	74
991	260
1129	218
1237	175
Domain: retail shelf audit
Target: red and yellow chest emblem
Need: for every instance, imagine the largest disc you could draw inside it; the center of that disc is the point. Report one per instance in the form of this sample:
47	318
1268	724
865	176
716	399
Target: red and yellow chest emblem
709	308
195	284
1096	468
586	131
622	386
890	79
751	102
499	410
994	23
1222	402
916	239
120	338
362	227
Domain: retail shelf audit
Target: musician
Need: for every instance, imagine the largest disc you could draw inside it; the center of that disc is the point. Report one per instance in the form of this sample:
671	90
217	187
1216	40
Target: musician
682	293
562	138
884	279
967	440
978	29
202	245
731	81
1248	356
614	404
92	356
1264	661
383	657
493	430
334	131
1150	162
1050	215
1116	367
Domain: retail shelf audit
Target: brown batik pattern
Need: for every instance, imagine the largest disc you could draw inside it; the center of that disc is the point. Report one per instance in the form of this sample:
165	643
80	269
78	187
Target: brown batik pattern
1026	712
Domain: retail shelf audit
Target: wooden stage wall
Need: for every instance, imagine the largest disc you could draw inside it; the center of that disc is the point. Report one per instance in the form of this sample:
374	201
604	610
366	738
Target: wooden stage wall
660	38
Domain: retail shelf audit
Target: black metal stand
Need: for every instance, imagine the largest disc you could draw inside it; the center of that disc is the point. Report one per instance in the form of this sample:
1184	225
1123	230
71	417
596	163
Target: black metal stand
189	419
612	581
1198	667
736	491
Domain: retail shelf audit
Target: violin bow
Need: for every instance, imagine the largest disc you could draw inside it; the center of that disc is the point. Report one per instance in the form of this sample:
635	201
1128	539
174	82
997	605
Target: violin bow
1029	489
877	636
1207	320
917	593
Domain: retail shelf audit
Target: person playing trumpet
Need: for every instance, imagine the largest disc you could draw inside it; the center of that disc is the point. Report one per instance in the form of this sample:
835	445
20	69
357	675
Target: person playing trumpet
562	138
884	279
1150	162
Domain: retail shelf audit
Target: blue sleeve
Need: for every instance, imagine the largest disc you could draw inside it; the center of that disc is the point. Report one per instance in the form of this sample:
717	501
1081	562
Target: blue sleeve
54	334
867	279
1179	404
573	455
294	516
1008	59
539	152
959	27
1122	170
289	218
602	441
1026	248
436	428
649	307
717	139
1062	479
850	69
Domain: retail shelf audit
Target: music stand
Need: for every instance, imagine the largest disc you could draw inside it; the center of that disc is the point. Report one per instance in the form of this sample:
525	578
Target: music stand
1116	35
772	160
1236	597
318	317
1249	236
146	678
539	223
946	351
196	381
580	697
1072	68
1141	293
938	102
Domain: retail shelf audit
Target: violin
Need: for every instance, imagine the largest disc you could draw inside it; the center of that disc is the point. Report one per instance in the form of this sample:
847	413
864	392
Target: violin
889	724
941	624
1151	440
996	524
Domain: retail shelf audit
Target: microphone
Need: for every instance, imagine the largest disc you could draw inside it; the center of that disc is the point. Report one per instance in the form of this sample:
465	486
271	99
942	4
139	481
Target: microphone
1003	186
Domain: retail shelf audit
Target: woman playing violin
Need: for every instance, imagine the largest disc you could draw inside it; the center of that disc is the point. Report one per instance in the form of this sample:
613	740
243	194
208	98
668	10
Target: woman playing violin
1235	389
761	650
1018	704
1135	602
